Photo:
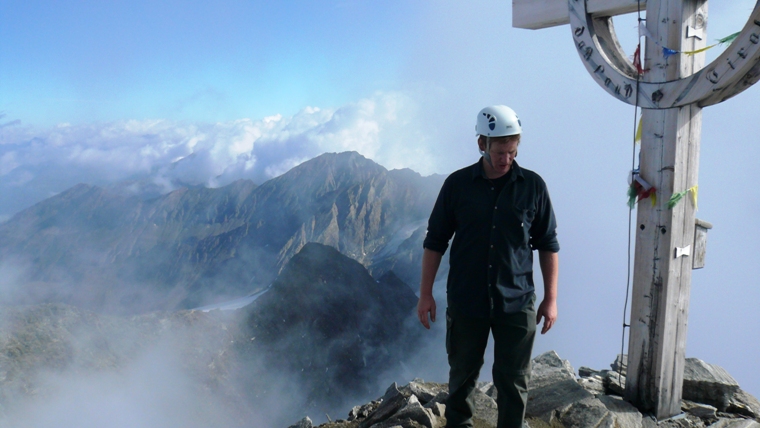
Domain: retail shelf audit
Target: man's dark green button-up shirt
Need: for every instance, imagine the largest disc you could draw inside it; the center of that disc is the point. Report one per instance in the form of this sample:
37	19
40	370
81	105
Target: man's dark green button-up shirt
491	256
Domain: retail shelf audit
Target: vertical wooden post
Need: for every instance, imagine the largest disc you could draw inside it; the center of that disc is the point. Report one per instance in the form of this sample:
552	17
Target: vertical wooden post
669	161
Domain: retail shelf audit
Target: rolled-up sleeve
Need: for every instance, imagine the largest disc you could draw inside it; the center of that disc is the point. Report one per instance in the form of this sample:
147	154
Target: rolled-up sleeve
543	231
442	222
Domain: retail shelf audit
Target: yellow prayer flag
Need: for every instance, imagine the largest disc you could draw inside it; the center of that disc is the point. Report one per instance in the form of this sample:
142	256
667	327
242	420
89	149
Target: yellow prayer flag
694	191
700	50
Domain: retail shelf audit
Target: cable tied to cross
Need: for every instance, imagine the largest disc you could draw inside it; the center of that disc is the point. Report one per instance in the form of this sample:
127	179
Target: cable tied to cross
630	211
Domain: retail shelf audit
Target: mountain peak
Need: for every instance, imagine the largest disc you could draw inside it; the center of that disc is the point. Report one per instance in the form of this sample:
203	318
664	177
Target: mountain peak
334	169
347	324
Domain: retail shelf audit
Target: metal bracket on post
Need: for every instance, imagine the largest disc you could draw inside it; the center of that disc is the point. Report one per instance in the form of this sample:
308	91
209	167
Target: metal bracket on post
683	251
700	243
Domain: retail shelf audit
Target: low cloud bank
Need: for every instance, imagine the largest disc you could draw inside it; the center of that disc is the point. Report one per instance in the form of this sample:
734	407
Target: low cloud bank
38	163
152	391
62	366
162	370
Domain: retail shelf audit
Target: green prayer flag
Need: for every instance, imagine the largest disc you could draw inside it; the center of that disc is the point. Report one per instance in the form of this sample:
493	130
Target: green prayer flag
730	38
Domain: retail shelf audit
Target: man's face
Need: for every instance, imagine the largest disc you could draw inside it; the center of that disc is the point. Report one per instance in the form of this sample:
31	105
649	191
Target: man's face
503	152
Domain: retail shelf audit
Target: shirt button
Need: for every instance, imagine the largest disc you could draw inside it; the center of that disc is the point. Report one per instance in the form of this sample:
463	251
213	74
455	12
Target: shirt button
491	188
494	227
491	246
489	266
496	208
521	224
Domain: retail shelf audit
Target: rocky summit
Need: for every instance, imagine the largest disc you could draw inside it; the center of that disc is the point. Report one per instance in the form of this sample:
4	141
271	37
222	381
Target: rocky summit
558	398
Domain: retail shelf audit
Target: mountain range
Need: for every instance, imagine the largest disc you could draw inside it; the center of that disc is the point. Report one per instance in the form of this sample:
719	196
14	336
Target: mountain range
119	250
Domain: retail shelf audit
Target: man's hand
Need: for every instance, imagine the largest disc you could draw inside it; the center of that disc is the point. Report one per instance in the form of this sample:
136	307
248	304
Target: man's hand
548	311
548	308
425	306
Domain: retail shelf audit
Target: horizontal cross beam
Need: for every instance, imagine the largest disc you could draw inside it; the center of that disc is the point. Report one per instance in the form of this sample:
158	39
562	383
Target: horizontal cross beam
537	14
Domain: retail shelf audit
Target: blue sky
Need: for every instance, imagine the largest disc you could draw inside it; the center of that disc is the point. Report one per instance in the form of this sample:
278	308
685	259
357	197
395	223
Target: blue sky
84	61
98	92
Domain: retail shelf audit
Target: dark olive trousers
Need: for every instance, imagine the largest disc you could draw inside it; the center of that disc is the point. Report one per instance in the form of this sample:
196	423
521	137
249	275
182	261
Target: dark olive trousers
466	340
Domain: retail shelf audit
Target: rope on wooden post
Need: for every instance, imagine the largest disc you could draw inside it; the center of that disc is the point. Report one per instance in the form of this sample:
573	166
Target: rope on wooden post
637	131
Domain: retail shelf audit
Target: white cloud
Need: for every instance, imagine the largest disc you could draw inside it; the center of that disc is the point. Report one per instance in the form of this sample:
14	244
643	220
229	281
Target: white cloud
35	163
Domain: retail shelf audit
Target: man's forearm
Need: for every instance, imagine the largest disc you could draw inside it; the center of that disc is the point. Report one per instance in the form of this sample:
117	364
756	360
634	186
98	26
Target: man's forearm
431	260
549	262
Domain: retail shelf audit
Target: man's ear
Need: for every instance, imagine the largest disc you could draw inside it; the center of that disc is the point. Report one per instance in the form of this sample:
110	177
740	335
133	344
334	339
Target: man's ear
482	143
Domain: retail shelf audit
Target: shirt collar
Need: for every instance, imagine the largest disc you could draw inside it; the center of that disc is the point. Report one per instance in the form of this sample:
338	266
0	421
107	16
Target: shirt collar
477	170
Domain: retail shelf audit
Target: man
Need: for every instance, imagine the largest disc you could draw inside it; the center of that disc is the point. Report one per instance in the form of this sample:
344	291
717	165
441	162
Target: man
498	213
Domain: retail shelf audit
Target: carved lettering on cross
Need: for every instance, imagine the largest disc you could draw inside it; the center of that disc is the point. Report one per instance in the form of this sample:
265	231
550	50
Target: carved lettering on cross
672	94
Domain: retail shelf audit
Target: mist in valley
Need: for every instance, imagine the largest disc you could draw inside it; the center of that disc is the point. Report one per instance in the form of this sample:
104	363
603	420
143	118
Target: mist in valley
92	362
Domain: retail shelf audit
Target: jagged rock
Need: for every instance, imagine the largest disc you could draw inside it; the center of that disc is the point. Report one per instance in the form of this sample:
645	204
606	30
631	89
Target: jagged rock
744	404
437	406
421	392
620	364
439	398
544	401
412	411
392	402
681	421
623	412
705	412
589	412
648	422
735	423
361	412
607	422
613	383
587	372
560	403
303	423
486	411
708	384
438	409
549	368
593	384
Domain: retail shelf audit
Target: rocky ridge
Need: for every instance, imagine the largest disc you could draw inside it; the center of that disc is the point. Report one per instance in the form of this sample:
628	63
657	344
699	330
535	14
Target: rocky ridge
558	398
333	325
116	251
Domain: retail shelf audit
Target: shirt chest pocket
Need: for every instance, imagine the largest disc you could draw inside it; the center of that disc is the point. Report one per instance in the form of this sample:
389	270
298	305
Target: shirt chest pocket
516	222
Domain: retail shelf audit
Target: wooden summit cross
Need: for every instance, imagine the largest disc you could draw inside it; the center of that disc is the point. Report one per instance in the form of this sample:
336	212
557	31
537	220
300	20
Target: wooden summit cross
672	92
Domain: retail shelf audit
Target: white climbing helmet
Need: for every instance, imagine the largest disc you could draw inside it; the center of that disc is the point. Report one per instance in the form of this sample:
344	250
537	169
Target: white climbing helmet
497	121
